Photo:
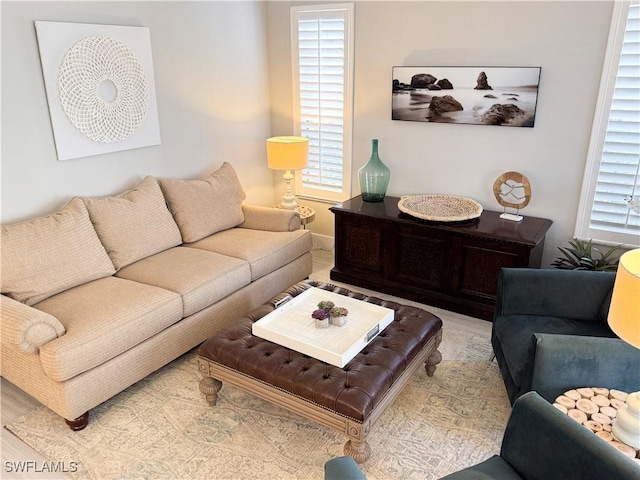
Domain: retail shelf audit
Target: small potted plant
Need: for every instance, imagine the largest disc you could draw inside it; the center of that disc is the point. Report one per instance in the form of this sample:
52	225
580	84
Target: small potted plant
326	305
582	255
338	316
321	316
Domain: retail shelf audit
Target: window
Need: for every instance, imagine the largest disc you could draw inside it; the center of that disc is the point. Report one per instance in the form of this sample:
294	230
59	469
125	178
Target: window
608	211
322	64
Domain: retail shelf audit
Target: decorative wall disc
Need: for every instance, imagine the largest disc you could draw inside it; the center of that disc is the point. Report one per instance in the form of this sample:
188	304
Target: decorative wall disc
103	89
512	189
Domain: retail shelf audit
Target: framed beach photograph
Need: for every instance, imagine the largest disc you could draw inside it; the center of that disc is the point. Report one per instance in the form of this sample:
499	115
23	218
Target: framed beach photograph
505	96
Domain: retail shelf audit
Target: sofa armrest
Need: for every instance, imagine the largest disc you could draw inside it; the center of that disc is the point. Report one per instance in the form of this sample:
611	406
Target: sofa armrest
27	328
562	362
270	219
575	294
542	442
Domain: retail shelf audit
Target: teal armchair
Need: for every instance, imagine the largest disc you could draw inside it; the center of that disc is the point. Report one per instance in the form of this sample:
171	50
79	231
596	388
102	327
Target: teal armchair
550	333
539	442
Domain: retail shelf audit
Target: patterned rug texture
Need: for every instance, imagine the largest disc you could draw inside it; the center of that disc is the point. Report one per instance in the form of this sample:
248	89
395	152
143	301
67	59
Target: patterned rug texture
161	427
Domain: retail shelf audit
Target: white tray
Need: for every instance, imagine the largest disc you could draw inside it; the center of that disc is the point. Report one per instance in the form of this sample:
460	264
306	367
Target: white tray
291	326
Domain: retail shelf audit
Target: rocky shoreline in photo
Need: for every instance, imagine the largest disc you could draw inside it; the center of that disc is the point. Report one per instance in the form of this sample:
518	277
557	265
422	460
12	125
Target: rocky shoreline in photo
497	114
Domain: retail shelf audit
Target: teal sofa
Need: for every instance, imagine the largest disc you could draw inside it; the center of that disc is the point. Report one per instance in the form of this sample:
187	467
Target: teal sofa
539	442
550	333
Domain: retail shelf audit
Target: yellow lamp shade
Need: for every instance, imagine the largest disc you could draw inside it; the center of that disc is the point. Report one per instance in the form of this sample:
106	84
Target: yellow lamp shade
624	313
287	153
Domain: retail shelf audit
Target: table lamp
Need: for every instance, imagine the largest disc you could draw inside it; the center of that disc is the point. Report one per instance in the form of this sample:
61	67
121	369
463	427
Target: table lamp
288	153
624	320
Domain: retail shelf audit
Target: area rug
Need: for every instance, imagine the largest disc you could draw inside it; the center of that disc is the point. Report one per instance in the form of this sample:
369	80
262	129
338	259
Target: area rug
161	427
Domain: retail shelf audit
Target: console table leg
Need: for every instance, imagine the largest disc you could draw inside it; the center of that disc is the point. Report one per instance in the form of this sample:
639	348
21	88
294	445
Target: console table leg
210	387
360	451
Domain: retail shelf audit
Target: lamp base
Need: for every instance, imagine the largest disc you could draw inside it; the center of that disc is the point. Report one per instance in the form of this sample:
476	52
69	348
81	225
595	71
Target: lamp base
289	203
626	426
288	199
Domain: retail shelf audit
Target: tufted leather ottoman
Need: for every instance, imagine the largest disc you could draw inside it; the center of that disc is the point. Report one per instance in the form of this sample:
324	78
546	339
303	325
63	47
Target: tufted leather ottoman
348	399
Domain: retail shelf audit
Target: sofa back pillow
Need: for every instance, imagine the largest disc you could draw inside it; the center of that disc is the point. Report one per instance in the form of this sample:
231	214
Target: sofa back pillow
50	254
204	207
135	224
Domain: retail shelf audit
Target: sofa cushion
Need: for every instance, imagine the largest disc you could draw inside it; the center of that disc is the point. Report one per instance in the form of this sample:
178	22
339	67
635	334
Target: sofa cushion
265	251
103	319
50	254
514	333
134	224
200	277
205	206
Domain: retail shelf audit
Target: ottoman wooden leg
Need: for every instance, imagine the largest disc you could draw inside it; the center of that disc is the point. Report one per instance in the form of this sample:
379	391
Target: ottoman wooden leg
435	357
430	365
360	451
210	387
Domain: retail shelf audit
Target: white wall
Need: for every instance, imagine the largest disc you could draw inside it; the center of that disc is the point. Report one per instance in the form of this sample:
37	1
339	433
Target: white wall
567	39
212	92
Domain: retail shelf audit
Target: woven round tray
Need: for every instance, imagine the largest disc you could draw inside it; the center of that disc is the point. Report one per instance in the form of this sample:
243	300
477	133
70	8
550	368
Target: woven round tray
440	208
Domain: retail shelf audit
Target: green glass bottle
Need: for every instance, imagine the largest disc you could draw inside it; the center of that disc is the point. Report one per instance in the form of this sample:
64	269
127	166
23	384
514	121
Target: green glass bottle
374	176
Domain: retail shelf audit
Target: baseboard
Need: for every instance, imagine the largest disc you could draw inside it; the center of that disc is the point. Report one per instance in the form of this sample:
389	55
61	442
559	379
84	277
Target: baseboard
322	242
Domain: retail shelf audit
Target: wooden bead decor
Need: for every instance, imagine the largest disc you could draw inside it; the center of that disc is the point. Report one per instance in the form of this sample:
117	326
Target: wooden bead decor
595	408
573	395
566	402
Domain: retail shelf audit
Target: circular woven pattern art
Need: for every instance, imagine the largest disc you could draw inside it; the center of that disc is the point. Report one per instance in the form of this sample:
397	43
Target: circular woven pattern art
440	208
103	89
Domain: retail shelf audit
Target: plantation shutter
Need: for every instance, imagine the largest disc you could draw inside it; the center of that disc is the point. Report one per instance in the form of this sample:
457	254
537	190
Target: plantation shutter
322	73
618	177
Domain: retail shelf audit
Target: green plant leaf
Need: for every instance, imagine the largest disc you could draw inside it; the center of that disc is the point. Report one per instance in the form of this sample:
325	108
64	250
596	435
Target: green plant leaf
583	255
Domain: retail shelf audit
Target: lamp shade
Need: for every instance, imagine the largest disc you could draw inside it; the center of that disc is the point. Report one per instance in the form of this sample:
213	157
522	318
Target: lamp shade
624	313
287	153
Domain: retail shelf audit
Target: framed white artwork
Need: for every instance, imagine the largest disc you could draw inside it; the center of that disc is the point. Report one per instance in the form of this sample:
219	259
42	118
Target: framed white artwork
100	87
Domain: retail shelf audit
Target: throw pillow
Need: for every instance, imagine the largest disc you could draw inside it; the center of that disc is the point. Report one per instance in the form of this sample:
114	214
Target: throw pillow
135	224
204	207
50	254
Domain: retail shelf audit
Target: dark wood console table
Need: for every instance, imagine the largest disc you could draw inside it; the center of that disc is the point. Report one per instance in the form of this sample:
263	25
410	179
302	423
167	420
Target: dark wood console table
454	266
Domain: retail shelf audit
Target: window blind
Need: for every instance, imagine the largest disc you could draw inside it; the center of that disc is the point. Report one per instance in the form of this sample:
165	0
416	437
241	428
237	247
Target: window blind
619	174
322	57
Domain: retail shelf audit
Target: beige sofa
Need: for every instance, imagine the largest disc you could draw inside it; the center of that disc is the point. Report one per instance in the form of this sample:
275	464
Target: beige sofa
107	290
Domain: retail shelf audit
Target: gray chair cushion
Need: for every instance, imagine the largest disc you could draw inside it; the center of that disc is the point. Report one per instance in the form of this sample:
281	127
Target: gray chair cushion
514	334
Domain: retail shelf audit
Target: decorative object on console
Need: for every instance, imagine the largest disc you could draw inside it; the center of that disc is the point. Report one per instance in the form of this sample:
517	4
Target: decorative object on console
512	189
440	208
100	87
288	153
505	96
624	320
374	176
